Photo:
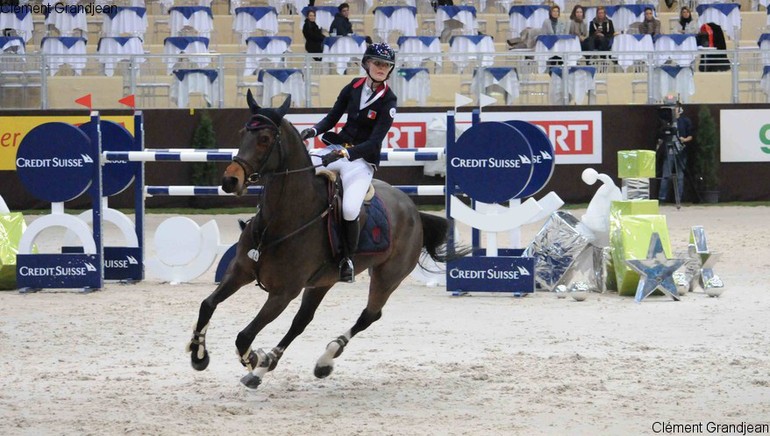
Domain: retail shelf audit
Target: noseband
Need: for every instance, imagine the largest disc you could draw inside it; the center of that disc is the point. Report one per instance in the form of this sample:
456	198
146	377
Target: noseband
255	123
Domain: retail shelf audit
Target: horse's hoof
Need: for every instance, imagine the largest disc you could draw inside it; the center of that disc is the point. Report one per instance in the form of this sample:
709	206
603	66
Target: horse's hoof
323	371
251	381
200	365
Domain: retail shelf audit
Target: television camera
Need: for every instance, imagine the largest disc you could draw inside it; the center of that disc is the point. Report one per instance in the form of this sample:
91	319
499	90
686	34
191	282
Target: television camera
669	134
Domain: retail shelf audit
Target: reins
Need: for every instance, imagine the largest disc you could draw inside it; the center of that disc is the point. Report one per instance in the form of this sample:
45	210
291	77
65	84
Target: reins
322	215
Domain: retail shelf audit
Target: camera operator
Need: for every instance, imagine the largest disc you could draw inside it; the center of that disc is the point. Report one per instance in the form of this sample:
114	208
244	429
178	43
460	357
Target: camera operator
673	138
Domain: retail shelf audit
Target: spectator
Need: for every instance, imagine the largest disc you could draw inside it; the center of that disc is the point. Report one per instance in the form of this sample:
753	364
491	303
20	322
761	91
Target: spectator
578	26
552	25
600	31
437	3
314	36
650	25
341	24
686	23
8	6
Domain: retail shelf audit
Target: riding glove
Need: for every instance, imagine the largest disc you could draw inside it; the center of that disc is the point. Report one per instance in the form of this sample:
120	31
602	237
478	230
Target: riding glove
307	133
330	157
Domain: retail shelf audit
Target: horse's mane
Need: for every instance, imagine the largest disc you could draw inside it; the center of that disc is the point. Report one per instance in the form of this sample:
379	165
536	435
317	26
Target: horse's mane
292	131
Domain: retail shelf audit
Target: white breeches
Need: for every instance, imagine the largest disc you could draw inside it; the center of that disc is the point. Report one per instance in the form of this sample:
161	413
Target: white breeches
356	177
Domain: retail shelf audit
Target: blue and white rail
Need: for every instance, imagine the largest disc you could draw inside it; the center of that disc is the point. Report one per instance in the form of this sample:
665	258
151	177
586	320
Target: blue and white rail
226	155
197	191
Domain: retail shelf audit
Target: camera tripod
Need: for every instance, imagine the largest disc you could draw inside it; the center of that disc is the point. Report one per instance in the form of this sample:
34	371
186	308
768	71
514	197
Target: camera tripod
675	148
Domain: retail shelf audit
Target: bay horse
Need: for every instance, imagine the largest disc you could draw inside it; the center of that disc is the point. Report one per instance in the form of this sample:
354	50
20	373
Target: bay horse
285	247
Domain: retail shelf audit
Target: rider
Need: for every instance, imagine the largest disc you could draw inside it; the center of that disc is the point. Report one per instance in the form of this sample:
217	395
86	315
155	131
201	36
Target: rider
355	151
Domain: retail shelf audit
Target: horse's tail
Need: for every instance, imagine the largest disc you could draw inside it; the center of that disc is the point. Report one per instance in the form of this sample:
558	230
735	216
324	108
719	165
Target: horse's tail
435	231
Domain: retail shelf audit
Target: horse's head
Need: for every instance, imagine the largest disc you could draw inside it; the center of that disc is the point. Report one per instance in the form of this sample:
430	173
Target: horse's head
260	151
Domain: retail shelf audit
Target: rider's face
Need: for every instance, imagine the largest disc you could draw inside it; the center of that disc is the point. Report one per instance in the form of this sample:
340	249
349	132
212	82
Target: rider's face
378	70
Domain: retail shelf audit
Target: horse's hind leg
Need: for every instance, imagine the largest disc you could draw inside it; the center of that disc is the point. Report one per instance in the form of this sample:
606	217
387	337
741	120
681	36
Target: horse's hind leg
379	292
234	279
311	299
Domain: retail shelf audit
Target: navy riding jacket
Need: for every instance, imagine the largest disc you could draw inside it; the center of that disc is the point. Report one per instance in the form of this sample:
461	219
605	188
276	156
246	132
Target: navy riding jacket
366	128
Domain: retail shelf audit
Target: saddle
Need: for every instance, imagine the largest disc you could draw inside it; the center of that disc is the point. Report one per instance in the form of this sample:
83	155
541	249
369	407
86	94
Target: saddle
333	177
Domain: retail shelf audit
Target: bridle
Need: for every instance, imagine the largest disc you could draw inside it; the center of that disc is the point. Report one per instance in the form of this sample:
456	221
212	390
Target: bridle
259	122
255	123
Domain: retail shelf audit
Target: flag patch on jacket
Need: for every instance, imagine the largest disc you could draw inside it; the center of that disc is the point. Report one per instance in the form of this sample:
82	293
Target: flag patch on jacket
371	115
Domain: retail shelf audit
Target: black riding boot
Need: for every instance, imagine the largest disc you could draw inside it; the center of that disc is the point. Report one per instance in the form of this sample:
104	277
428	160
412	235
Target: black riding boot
349	246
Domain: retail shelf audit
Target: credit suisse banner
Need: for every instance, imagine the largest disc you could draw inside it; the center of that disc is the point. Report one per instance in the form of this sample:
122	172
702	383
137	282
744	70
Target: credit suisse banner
576	136
14	129
744	135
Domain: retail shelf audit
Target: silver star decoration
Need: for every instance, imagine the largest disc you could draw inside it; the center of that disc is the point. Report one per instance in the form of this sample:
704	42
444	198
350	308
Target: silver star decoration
656	271
702	257
707	270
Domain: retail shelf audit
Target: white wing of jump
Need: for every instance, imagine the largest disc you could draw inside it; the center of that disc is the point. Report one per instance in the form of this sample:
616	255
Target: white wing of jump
550	203
184	250
515	217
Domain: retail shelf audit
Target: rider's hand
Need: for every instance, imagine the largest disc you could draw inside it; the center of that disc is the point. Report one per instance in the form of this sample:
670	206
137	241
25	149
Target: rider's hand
328	158
307	133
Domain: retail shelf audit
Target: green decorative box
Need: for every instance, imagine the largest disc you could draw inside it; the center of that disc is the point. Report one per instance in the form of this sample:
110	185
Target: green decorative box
638	164
12	225
633	207
631	240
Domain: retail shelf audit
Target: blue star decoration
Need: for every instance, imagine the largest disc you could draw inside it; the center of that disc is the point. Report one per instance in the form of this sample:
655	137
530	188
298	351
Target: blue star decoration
656	271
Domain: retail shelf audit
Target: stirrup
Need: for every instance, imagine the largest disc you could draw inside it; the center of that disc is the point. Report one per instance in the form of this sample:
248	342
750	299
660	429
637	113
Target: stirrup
347	271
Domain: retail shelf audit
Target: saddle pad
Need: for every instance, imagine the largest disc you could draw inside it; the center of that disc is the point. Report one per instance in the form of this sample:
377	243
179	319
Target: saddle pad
375	232
375	236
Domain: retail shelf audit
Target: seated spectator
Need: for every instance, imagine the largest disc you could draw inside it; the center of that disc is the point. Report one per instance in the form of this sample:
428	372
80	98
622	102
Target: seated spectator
437	3
686	24
600	31
552	25
314	35
650	25
578	26
341	25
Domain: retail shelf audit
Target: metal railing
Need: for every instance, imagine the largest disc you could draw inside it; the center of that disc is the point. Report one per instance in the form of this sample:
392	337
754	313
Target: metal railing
26	80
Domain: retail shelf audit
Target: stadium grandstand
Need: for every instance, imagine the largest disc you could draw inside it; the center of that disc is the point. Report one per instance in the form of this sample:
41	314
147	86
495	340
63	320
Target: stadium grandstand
204	53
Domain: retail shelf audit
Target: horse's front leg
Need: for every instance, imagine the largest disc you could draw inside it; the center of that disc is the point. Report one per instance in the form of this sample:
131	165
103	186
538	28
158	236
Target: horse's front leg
311	299
235	278
258	363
